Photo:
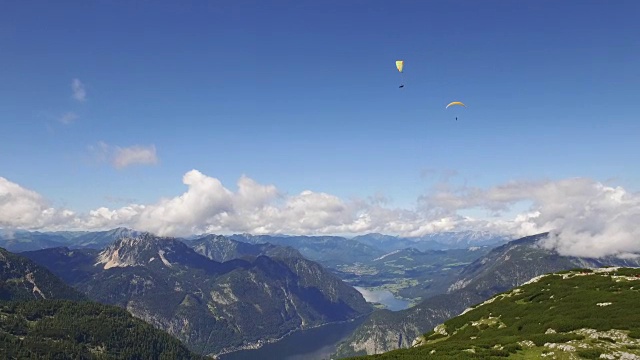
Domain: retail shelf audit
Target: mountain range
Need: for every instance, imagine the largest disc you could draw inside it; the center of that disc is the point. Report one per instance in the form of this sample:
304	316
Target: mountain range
436	241
43	318
409	268
212	306
328	250
219	294
22	240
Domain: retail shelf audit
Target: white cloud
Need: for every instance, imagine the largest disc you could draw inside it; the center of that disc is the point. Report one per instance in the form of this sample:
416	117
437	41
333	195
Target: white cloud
23	208
205	202
121	157
135	155
104	218
68	117
79	92
587	218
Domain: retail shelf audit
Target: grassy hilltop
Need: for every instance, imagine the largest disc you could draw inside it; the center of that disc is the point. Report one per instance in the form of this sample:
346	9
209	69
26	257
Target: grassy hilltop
567	315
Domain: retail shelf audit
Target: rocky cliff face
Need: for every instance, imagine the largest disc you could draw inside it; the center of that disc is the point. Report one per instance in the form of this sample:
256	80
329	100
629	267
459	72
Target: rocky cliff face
386	330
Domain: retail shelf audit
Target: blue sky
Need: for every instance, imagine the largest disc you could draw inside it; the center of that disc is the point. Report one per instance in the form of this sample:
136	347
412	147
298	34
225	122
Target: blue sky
304	95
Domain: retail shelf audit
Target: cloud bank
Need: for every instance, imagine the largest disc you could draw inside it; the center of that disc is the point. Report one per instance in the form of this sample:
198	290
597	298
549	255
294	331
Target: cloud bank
23	208
586	217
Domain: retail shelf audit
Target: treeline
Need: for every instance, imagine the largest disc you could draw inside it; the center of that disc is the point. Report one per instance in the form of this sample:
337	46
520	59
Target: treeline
60	329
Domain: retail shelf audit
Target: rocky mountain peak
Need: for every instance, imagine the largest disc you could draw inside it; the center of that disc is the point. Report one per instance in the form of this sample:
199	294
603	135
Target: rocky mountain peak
139	250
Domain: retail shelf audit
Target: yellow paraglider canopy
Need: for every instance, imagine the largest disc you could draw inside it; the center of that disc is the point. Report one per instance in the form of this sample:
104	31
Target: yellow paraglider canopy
400	65
455	103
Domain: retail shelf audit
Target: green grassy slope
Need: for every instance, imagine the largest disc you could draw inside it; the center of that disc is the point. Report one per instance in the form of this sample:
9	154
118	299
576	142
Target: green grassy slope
567	315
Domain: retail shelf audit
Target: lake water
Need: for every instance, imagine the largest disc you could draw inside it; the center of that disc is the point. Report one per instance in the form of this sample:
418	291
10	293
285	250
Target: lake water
318	343
313	344
384	297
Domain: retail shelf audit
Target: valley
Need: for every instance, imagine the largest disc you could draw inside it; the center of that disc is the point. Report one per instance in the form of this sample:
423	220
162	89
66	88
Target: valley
317	343
410	274
211	306
208	291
